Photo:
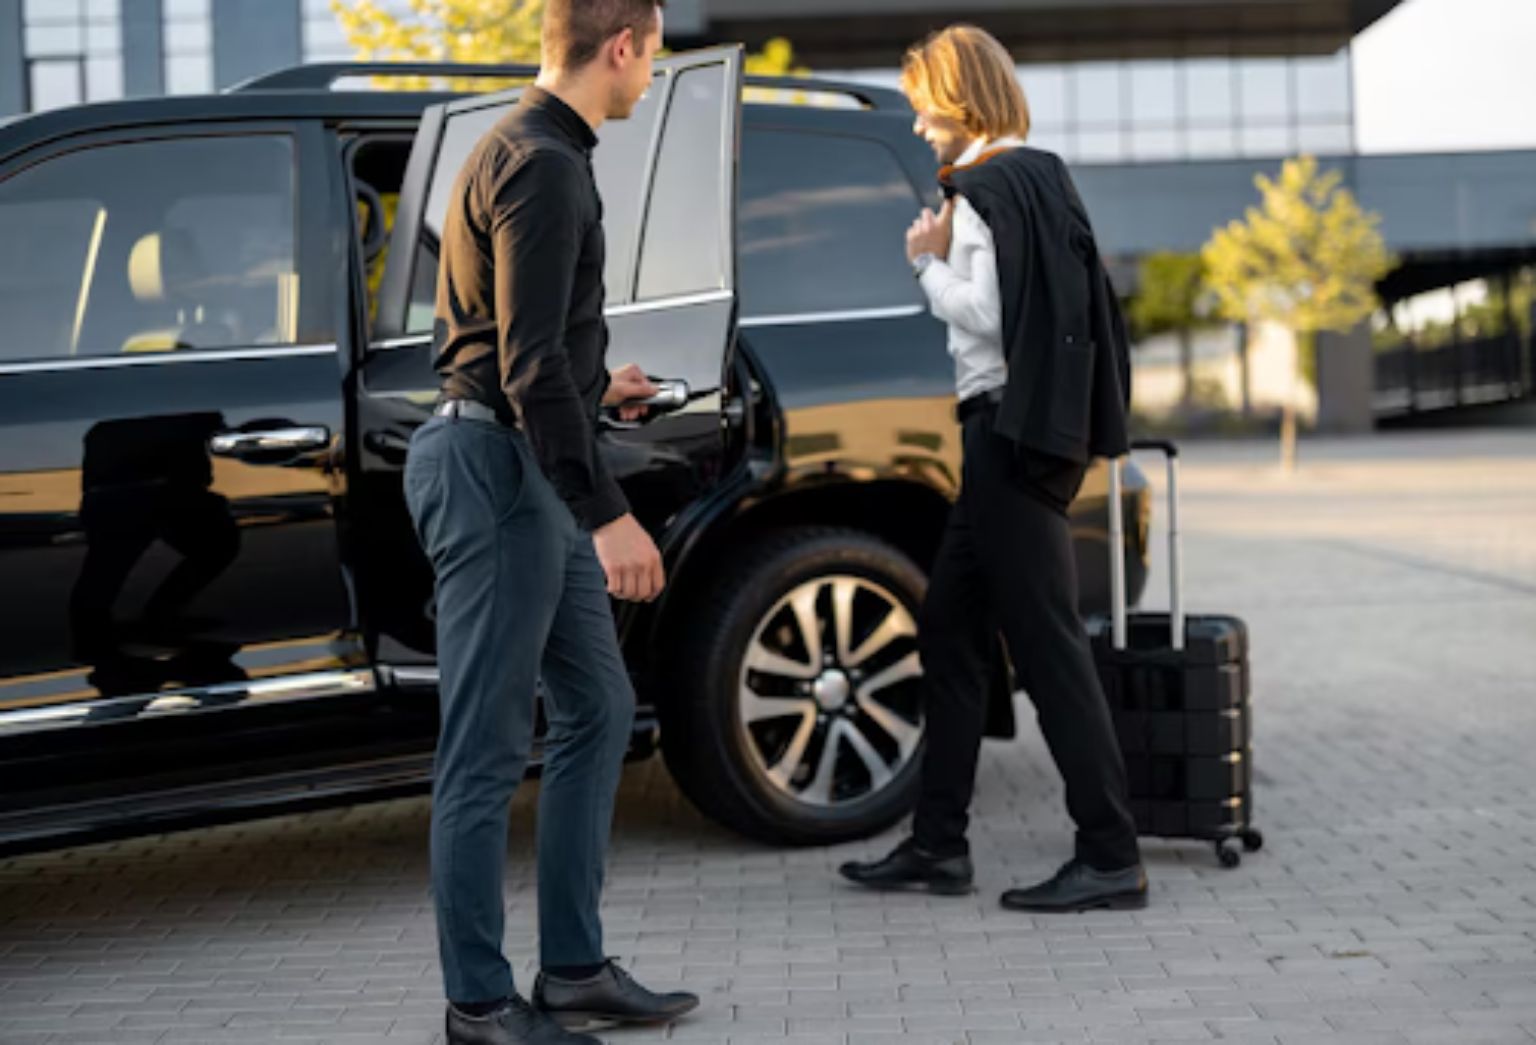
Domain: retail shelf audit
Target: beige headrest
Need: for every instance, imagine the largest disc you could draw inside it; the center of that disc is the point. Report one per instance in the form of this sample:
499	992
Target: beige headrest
163	265
145	275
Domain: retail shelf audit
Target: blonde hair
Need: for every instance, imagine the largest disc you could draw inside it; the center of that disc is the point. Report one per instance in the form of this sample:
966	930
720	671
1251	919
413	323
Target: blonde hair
964	73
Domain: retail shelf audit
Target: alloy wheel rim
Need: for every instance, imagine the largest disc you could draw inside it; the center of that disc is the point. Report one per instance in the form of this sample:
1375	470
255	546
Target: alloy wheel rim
828	700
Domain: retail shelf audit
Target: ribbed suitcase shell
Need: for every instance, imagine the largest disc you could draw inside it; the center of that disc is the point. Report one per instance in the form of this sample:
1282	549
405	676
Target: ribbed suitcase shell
1183	716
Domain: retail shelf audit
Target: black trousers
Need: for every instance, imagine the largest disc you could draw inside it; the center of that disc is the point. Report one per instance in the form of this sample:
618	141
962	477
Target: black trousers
1006	563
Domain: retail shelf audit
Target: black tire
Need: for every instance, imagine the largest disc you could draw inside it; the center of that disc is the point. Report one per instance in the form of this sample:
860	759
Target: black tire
748	775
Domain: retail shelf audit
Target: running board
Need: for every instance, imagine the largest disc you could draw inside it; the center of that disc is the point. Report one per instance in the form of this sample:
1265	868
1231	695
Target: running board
248	798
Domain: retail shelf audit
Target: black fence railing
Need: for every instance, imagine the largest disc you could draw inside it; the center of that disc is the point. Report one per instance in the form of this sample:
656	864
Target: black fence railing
1411	379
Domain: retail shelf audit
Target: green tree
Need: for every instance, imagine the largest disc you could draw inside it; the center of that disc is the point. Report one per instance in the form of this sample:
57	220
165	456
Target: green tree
1307	258
480	31
484	31
1172	298
777	58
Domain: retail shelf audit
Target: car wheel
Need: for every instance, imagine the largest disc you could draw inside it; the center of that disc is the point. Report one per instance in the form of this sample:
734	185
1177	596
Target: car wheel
796	715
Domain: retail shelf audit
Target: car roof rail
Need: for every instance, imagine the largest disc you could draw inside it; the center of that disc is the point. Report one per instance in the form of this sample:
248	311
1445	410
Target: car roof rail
322	76
862	95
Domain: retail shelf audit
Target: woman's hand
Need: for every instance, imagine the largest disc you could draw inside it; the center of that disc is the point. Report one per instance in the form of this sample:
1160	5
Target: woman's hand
931	233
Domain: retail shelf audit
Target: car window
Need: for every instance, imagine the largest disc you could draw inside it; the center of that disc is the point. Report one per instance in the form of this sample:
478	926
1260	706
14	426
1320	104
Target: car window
821	225
149	247
618	164
460	135
684	250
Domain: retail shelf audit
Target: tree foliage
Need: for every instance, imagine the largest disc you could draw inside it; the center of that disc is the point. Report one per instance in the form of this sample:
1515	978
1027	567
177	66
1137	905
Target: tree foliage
1308	257
472	31
478	31
1171	295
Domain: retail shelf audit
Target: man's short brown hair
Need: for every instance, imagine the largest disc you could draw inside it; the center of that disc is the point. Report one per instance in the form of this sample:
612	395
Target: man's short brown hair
575	30
965	74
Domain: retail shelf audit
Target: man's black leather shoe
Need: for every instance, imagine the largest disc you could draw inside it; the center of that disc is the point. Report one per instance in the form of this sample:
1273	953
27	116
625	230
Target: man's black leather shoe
610	997
908	867
1078	887
515	1023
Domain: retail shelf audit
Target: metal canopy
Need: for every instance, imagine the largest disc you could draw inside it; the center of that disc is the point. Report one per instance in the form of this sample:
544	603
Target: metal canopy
841	34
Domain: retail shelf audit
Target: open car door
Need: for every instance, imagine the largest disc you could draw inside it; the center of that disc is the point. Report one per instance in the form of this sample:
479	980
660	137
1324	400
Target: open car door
667	176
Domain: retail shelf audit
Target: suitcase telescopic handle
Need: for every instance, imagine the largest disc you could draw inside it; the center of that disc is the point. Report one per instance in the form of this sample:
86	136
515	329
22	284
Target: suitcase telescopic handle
1117	546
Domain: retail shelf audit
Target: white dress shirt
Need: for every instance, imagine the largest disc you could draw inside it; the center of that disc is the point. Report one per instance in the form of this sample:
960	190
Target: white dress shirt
963	292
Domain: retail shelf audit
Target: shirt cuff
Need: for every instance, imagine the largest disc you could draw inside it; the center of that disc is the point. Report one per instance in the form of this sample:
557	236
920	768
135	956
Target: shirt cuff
606	504
935	278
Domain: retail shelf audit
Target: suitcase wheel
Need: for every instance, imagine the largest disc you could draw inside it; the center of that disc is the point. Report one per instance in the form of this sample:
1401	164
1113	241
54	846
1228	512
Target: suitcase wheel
1228	855
1253	840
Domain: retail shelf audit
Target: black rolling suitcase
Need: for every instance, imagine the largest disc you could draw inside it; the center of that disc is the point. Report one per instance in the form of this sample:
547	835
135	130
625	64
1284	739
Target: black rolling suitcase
1178	690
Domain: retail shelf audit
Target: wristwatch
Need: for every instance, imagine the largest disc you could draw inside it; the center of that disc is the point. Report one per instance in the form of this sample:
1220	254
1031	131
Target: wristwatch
921	262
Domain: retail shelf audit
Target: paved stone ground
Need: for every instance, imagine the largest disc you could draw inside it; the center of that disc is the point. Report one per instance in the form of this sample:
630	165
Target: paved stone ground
1391	590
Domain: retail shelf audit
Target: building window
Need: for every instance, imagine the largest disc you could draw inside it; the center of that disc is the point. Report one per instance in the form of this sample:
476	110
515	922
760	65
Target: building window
1323	87
323	39
74	52
1154	89
1045	86
1209	96
1098	94
188	29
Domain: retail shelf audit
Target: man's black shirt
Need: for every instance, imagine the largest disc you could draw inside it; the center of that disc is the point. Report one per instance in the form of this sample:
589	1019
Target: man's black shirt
520	323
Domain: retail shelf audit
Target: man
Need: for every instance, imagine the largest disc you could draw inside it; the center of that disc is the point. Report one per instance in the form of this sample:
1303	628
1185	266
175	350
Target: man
1040	360
528	534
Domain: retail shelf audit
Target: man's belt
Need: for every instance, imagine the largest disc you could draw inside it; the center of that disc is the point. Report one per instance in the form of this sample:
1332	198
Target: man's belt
469	410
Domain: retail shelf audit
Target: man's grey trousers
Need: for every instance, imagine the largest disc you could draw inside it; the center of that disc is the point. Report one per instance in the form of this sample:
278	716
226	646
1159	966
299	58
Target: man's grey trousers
520	596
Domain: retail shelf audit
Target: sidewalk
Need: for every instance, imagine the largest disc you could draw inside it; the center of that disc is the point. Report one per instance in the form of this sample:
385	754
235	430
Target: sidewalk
1391	592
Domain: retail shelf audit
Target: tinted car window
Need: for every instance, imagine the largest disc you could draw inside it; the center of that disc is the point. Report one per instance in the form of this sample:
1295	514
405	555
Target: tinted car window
821	225
684	252
619	165
149	247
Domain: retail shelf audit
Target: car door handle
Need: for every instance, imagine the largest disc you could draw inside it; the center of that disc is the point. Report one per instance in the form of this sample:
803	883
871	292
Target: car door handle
270	440
670	395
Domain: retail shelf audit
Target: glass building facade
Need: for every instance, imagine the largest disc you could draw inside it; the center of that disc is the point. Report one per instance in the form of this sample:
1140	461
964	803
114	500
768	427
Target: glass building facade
1193	109
1101	112
74	51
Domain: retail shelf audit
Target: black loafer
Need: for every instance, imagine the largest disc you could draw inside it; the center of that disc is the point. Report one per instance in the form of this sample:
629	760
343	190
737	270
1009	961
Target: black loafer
515	1023
611	997
1078	887
908	867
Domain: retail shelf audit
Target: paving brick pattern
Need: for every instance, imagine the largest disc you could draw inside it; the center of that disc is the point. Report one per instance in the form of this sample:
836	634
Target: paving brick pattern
1391	590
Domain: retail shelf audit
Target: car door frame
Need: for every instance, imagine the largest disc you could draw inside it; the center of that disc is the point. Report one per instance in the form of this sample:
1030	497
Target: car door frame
390	328
390	324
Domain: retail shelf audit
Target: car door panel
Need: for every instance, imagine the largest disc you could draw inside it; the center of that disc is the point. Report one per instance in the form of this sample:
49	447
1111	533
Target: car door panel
150	576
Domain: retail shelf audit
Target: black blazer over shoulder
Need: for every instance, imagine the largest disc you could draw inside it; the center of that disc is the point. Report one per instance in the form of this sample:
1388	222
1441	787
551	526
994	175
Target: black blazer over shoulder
1069	377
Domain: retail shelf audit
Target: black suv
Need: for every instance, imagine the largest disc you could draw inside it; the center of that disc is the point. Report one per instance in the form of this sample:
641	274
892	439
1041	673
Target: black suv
214	347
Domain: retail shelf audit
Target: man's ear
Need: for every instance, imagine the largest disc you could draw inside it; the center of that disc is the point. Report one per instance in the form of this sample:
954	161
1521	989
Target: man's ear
624	45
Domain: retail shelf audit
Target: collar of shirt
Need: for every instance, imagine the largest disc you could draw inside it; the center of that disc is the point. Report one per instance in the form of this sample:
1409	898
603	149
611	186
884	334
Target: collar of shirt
565	119
981	145
979	151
